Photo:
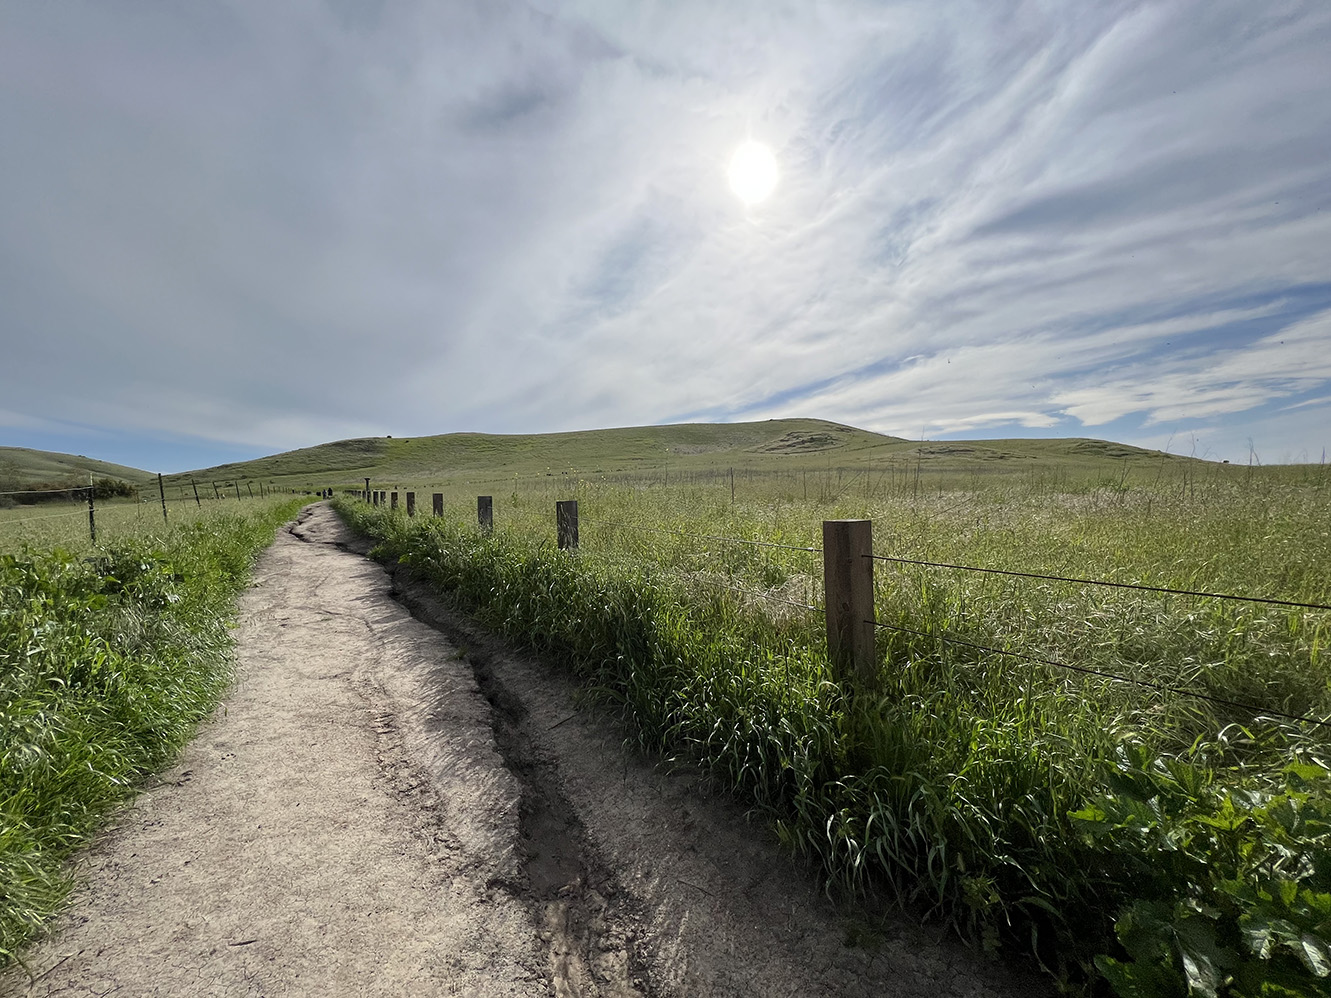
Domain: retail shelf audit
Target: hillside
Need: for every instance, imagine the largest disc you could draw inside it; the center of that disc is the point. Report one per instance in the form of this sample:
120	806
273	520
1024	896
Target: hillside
22	466
789	445
780	444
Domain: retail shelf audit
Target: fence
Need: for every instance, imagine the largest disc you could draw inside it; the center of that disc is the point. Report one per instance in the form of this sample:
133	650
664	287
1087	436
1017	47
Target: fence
86	498
848	604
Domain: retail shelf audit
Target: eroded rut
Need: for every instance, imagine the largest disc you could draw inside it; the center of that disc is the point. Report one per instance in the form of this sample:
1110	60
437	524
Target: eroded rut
583	918
393	802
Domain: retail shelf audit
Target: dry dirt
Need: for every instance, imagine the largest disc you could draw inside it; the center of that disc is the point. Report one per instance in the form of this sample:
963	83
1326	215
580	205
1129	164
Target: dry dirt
391	802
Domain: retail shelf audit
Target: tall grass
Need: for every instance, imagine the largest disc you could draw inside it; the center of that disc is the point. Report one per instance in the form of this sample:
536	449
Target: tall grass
109	657
1149	843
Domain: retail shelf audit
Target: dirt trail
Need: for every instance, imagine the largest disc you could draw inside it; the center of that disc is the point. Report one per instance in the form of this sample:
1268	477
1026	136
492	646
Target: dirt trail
389	805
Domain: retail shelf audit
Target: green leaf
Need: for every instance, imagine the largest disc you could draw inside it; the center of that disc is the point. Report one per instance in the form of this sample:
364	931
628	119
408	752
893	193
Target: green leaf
1307	771
1138	980
1289	890
1263	934
1315	954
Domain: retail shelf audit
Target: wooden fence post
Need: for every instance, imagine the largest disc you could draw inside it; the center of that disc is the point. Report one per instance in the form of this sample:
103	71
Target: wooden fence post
197	501
216	493
393	501
848	588
438	504
92	516
411	503
161	494
485	513
566	523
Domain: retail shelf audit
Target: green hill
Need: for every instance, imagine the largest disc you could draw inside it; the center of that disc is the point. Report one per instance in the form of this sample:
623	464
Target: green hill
777	445
22	466
772	445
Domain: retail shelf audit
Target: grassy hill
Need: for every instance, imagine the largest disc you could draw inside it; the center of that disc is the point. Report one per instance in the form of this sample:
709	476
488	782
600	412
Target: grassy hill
21	466
684	449
791	445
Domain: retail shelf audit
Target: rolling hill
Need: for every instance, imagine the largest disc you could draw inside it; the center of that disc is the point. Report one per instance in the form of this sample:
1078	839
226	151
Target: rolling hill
779	444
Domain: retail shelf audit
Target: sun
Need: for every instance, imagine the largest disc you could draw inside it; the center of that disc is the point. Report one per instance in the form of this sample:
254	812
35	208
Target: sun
752	172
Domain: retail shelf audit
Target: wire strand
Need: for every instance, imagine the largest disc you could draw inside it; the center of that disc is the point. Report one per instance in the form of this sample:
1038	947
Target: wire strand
29	519
1163	687
46	492
1101	582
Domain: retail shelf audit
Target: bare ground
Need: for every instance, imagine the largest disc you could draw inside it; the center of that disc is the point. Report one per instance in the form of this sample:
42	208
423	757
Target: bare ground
391	802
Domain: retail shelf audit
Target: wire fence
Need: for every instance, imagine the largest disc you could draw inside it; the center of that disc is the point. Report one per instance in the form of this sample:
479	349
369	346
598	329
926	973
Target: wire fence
1162	687
1106	583
1167	688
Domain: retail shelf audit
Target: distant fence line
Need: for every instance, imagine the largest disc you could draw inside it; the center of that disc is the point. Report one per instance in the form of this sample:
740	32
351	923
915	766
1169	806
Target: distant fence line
88	494
848	603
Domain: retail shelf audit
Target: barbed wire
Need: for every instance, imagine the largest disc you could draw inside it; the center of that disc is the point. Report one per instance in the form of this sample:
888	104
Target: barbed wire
1102	582
1163	687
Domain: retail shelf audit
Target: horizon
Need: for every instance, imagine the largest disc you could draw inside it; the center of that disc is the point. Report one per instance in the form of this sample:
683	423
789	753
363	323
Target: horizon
239	230
1254	459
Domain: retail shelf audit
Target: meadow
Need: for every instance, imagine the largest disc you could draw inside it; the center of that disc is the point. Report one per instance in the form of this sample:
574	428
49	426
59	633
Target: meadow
110	655
1157	826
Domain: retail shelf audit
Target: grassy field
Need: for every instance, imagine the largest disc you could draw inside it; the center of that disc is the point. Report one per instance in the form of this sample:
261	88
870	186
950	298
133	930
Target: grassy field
110	654
1153	842
65	524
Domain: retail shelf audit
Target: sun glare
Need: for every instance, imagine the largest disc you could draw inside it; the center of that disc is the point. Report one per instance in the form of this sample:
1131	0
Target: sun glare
752	172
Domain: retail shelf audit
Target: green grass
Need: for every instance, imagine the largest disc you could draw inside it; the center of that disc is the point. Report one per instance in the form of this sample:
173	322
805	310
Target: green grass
65	524
1149	843
21	465
109	658
765	456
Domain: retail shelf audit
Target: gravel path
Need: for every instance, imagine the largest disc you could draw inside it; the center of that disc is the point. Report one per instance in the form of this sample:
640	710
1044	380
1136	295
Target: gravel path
391	802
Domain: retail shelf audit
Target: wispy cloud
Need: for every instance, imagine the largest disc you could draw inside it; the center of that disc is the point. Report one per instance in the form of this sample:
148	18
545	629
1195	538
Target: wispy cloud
271	226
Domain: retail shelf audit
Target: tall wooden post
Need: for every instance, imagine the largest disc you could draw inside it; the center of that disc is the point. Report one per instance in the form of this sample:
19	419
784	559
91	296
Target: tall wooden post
732	484
411	503
367	490
92	516
237	485
566	523
392	503
216	493
161	494
485	514
438	504
197	501
848	588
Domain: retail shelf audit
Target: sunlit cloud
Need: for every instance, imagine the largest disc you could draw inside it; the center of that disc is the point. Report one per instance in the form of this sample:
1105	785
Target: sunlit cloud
270	226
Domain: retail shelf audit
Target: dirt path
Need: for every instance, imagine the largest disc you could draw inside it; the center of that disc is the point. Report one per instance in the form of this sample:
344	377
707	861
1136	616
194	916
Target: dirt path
386	807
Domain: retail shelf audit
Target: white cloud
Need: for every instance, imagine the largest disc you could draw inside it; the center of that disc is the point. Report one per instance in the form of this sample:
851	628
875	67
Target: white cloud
286	224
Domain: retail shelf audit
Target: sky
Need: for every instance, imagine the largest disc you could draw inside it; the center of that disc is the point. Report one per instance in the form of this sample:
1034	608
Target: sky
234	228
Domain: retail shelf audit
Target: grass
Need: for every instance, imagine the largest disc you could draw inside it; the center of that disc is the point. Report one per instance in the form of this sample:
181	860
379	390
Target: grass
65	524
763	455
20	465
110	655
1129	840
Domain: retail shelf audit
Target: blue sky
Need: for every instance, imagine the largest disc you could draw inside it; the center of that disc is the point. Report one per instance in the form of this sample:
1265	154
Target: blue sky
237	228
